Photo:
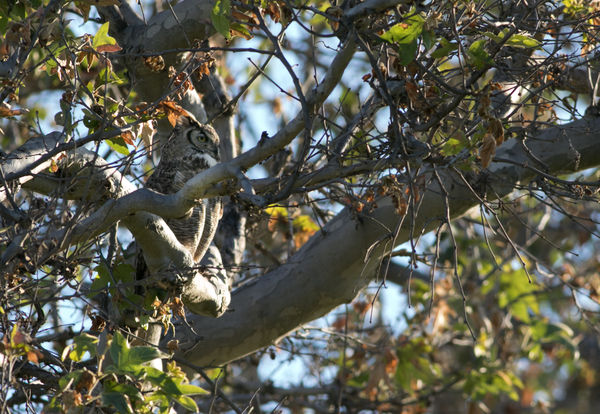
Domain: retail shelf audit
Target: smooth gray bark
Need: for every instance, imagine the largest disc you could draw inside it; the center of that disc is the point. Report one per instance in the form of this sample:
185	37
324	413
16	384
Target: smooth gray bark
333	266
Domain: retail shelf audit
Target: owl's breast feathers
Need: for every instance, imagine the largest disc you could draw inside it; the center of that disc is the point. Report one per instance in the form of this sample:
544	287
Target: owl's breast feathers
195	230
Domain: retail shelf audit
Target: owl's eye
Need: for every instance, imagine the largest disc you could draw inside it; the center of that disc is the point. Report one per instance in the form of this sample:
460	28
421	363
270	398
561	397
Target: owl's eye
197	137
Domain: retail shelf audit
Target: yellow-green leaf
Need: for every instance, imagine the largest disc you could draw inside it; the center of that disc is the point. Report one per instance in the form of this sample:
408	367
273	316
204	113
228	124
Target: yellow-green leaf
102	37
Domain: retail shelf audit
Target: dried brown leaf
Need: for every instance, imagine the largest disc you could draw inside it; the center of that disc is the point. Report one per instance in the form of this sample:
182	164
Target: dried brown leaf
5	111
497	130
173	345
109	48
172	110
34	356
487	150
128	137
155	63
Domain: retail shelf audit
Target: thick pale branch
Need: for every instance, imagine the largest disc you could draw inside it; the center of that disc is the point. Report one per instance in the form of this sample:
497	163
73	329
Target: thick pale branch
26	159
203	184
332	267
176	27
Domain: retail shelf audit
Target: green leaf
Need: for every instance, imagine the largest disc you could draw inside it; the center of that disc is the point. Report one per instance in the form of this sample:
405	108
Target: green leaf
3	23
121	388
124	272
189	389
119	350
406	53
81	344
518	40
102	37
405	32
141	354
241	30
453	146
405	35
518	294
117	400
546	332
304	223
155	376
479	57
428	39
220	17
119	145
70	378
359	380
187	403
444	49
106	75
158	398
515	40
102	278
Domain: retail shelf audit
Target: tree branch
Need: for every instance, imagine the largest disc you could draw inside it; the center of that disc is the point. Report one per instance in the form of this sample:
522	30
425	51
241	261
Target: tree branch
332	268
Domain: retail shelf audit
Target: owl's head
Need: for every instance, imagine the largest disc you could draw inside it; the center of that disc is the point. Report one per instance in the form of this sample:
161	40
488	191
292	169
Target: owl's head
190	136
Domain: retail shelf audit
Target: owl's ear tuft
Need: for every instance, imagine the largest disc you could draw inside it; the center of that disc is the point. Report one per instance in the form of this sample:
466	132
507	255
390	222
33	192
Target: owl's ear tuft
183	121
186	119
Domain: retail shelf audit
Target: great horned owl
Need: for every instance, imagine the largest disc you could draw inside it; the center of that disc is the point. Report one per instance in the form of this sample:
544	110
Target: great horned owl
190	148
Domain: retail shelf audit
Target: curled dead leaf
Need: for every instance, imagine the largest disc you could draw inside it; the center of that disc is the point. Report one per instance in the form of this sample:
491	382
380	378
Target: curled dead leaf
497	130
34	356
177	307
172	110
173	345
336	13
487	150
128	137
155	63
109	48
6	111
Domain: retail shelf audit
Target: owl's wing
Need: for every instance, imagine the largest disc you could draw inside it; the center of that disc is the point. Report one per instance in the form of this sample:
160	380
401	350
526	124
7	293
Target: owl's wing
213	213
166	178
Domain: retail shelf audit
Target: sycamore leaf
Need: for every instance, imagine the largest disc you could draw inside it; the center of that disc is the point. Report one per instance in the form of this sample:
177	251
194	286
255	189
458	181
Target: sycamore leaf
444	49
220	17
515	40
119	145
405	32
479	57
405	35
128	137
103	42
34	356
518	40
145	132
241	31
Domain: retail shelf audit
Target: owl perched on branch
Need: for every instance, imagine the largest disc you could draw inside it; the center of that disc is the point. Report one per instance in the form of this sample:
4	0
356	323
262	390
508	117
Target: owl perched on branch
190	148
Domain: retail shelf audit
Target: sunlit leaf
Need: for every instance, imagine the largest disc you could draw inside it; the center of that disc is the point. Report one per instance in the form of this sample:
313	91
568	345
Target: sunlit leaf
102	38
405	35
479	57
118	400
81	344
119	145
220	17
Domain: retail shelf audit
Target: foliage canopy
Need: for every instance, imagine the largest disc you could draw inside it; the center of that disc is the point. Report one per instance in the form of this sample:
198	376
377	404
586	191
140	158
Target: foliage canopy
411	217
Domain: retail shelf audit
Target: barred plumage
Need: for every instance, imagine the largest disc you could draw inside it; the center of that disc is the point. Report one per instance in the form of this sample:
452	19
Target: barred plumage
189	149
